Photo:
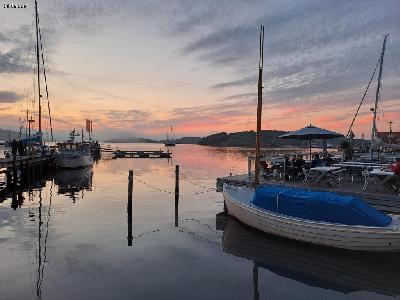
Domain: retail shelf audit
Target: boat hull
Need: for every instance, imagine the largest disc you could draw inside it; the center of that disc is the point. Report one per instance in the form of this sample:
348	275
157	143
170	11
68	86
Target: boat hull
74	161
365	238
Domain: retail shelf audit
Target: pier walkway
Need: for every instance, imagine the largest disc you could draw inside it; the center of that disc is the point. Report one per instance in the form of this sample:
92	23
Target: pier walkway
142	154
24	161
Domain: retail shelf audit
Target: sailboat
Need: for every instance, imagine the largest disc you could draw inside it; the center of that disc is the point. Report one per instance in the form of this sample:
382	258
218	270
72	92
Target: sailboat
170	141
377	143
323	218
34	142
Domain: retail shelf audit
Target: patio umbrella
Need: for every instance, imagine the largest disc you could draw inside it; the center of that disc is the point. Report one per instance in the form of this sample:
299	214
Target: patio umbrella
311	133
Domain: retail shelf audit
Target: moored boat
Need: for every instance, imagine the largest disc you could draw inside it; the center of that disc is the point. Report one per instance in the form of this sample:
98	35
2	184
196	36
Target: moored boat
170	141
315	217
73	155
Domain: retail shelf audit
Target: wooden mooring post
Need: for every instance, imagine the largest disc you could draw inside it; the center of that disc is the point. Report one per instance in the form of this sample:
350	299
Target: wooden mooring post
176	195
129	207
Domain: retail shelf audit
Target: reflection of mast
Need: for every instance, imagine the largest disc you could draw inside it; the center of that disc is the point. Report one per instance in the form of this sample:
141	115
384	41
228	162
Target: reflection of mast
41	266
129	207
38	284
255	281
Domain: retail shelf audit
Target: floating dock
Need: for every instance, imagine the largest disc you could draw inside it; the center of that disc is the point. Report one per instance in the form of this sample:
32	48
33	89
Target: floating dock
142	154
376	195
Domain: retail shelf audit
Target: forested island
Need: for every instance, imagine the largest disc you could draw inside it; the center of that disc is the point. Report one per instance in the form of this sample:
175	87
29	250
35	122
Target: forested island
269	138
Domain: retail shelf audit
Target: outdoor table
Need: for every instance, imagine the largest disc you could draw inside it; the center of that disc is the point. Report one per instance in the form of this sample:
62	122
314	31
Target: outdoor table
352	166
382	175
323	171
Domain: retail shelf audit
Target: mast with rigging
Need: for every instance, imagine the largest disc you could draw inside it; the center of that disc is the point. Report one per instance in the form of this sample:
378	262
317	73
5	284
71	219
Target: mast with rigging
38	66
259	107
377	96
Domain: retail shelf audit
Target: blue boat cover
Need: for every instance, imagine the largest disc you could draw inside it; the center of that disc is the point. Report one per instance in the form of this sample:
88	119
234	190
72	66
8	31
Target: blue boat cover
319	206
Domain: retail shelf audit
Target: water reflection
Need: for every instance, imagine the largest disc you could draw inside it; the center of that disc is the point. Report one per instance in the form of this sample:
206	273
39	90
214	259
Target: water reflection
334	269
73	182
50	246
41	249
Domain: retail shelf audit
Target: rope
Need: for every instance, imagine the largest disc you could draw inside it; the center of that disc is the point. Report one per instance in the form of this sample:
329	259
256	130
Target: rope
362	100
196	235
201	223
152	186
169	192
194	183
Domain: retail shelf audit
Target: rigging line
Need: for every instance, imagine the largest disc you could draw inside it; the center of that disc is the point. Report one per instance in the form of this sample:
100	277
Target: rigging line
365	93
45	81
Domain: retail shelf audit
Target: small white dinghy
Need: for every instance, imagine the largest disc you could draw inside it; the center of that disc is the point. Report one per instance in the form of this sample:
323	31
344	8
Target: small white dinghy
280	216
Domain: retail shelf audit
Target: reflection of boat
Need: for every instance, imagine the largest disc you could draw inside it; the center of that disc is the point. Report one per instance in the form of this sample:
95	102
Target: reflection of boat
71	182
72	155
340	270
285	214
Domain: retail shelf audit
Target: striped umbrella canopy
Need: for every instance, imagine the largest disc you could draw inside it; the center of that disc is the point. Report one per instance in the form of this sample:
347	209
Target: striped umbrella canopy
311	133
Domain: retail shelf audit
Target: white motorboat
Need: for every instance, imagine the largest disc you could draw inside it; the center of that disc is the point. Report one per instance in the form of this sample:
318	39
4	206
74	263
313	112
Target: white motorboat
281	217
73	155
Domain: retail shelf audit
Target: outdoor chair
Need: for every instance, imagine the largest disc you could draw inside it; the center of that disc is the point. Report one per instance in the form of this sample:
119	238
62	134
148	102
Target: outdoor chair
365	175
334	178
308	176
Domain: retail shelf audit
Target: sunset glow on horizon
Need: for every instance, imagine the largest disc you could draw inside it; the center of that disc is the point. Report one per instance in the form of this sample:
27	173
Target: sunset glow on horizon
137	68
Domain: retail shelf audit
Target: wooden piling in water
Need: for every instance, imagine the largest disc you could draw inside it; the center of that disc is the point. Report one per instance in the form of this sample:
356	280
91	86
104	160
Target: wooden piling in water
129	207
176	195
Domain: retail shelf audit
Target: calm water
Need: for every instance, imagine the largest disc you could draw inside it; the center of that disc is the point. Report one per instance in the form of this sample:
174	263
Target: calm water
68	240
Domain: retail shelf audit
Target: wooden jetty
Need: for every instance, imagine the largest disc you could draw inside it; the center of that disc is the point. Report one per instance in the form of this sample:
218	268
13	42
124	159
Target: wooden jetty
20	168
142	154
378	197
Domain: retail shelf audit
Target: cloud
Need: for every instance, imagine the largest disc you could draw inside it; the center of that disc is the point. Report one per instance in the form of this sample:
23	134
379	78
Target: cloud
9	97
235	83
311	48
133	116
12	61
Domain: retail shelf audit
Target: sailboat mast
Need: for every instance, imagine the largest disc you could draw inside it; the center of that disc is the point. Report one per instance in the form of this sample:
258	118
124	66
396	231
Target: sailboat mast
259	107
38	66
374	129
27	115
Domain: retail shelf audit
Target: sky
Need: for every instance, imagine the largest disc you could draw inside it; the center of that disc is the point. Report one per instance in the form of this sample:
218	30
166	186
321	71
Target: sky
137	67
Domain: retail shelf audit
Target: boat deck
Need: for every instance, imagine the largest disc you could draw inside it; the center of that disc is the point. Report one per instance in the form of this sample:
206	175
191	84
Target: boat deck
377	195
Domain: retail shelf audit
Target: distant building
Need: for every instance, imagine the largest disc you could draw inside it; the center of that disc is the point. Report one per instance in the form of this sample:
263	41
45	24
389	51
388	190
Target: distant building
390	137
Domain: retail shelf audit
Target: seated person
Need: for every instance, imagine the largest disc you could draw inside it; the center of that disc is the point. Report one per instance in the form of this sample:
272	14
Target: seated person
316	162
264	165
396	167
395	180
293	161
265	169
328	160
298	165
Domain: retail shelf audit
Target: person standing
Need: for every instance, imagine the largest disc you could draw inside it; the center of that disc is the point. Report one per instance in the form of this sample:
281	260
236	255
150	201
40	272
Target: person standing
20	148
14	148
